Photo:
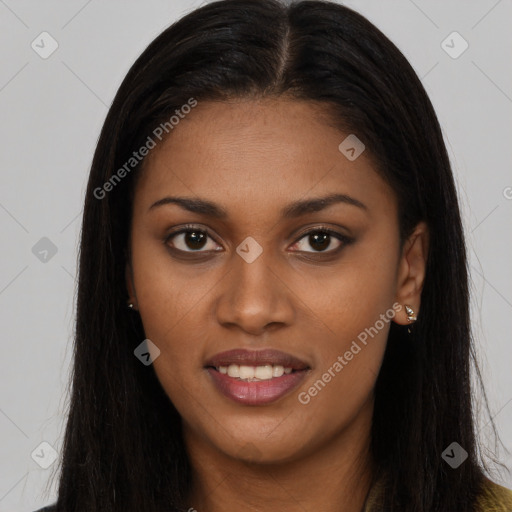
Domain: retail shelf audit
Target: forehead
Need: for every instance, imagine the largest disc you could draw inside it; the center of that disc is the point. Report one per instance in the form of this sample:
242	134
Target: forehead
256	154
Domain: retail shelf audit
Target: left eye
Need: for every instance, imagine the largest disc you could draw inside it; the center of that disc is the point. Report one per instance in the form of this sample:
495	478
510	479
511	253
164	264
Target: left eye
321	240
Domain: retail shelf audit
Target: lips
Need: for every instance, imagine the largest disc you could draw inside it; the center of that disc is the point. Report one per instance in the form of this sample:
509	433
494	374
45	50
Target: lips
253	391
256	358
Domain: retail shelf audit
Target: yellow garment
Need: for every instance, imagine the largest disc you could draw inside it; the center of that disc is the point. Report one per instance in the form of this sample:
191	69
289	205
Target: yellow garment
494	498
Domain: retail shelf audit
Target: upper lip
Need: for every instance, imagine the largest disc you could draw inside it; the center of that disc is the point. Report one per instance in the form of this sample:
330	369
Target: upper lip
257	358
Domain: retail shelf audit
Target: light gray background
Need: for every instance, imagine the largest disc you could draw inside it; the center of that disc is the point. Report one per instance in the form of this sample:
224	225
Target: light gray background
51	114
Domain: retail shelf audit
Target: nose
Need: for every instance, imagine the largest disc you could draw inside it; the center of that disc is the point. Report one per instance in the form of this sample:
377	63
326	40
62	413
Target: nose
254	297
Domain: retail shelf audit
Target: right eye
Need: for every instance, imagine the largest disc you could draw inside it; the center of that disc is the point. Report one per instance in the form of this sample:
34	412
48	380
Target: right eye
190	239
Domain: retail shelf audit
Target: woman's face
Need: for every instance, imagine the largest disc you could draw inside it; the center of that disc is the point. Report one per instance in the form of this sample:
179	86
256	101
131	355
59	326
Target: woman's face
265	276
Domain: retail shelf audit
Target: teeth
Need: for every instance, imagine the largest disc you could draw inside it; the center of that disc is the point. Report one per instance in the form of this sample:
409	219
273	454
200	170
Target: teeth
263	372
254	373
233	370
277	371
246	372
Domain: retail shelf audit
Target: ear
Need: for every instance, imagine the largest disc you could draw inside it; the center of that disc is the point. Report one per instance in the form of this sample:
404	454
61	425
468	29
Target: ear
411	272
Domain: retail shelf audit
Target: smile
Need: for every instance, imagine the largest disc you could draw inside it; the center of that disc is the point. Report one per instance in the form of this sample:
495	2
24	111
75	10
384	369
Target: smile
256	377
254	373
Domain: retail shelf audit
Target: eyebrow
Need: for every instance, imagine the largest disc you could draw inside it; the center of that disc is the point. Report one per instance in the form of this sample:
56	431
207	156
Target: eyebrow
295	209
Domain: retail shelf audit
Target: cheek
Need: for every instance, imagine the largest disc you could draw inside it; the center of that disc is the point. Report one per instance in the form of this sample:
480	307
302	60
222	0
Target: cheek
354	310
169	293
352	297
173	302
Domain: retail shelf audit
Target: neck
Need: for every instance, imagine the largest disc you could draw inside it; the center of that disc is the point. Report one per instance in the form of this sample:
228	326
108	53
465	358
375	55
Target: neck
333	477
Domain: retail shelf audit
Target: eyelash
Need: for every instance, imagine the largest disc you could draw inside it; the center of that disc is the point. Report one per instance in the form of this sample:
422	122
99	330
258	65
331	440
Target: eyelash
345	240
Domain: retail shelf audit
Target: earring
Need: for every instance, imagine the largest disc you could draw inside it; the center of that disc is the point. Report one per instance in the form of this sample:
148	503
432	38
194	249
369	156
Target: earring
130	305
411	317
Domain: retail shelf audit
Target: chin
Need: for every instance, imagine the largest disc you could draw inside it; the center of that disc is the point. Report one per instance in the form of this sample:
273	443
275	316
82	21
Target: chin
261	448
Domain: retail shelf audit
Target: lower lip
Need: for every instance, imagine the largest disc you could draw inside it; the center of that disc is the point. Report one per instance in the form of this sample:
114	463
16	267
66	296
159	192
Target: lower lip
257	392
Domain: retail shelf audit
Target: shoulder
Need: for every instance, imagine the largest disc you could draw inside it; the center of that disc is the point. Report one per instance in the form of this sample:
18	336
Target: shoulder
491	498
494	498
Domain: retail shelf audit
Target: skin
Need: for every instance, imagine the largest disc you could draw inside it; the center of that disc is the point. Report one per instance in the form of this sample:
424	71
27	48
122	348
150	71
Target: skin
253	157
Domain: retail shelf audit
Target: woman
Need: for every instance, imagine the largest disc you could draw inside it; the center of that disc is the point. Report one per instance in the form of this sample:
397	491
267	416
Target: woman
273	291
